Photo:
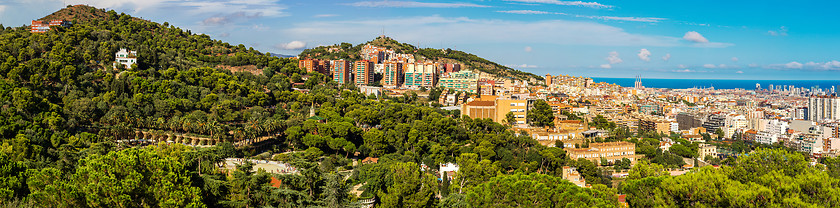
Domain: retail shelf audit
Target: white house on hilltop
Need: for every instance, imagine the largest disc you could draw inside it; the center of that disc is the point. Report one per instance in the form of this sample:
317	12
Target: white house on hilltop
126	58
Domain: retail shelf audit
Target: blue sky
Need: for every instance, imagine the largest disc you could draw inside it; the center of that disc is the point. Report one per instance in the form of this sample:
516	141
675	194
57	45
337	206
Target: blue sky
655	39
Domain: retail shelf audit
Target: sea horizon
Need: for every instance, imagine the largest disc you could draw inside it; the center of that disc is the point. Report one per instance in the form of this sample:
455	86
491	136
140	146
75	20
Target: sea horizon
717	83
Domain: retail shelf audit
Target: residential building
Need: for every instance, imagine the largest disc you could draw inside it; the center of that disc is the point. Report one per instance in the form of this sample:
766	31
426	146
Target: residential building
450	169
650	123
419	75
572	175
39	26
126	58
314	65
465	81
340	70
480	109
392	74
714	122
449	68
497	109
687	121
363	71
519	108
611	151
707	150
823	108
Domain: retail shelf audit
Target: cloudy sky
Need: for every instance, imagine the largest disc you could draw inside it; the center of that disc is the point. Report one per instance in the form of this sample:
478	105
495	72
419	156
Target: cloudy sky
655	39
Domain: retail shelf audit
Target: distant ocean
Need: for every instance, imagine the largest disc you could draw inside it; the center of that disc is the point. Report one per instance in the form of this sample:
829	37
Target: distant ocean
717	83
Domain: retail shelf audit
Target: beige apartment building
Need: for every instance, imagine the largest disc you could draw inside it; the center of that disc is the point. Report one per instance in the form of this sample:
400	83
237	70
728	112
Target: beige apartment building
611	151
497	109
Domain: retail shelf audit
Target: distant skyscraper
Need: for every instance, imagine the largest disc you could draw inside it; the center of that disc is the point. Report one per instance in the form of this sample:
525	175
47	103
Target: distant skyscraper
757	87
821	108
638	84
548	79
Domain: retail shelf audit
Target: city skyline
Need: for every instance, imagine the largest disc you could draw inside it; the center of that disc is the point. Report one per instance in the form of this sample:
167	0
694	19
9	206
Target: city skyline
775	40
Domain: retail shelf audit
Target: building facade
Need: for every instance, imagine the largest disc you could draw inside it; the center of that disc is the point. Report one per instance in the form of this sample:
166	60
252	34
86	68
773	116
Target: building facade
39	26
340	71
392	74
363	71
125	57
419	75
465	81
611	151
823	108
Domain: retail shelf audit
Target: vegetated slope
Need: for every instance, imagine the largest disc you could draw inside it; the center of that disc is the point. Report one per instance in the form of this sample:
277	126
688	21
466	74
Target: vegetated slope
59	87
66	114
471	61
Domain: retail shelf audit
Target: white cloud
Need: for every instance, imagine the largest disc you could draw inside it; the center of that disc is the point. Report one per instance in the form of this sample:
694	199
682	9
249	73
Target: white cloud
831	65
627	19
753	65
2	8
739	72
606	66
666	57
709	66
224	19
683	70
695	37
527	12
613	58
137	5
325	15
412	4
566	3
255	8
462	30
294	45
681	66
781	32
644	54
735	59
521	66
224	34
793	65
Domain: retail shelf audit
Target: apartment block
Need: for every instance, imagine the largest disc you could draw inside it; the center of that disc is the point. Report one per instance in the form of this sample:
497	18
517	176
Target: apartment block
363	71
823	108
340	71
392	74
465	81
419	75
497	109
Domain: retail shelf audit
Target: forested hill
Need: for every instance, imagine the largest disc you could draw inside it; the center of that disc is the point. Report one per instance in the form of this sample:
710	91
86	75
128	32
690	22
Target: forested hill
70	122
470	61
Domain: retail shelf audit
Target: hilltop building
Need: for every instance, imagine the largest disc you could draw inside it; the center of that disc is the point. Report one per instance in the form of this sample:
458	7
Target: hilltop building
39	26
126	58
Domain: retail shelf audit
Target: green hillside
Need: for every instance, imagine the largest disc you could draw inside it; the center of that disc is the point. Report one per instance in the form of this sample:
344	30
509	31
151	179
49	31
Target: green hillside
71	125
350	52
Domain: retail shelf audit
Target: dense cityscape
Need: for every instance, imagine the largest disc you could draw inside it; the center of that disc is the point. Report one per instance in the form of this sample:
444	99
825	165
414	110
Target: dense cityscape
102	109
